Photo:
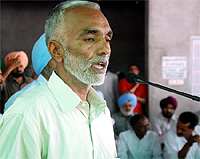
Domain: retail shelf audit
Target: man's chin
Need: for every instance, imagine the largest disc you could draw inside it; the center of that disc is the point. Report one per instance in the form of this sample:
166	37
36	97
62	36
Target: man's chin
98	81
17	75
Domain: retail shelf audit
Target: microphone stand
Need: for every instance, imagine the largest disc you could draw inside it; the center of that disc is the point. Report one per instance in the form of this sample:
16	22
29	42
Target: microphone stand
196	98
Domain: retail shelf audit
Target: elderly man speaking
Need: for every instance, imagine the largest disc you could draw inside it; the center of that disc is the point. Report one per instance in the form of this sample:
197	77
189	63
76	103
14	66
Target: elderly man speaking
66	118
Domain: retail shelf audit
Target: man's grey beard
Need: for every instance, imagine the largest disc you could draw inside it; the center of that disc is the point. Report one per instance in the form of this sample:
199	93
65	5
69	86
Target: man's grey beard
125	113
83	72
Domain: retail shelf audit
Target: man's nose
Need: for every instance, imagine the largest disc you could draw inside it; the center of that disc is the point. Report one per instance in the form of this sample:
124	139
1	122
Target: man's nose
179	130
104	48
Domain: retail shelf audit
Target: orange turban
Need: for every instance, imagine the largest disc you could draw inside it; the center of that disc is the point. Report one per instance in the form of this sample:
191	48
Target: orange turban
21	55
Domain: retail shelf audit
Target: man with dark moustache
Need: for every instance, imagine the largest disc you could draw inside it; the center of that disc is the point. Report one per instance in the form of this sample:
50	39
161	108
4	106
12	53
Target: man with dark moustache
139	142
13	76
183	140
167	118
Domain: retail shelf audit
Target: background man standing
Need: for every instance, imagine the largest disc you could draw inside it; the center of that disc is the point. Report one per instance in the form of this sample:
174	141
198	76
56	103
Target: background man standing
140	90
13	77
43	65
66	117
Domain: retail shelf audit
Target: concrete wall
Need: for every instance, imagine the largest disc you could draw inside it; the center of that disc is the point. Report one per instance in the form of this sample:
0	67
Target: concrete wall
171	25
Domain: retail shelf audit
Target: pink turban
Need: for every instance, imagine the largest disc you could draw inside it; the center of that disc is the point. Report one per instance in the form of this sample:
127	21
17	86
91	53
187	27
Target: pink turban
13	55
169	100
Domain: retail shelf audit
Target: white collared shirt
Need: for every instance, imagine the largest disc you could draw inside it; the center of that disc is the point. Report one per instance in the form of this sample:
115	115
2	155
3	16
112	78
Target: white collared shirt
131	147
161	125
174	143
51	121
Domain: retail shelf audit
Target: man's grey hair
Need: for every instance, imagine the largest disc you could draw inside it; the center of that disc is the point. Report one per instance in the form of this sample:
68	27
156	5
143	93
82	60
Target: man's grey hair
55	23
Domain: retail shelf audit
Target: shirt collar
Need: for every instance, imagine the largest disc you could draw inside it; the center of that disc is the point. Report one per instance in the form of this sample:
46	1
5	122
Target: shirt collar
41	79
68	99
97	104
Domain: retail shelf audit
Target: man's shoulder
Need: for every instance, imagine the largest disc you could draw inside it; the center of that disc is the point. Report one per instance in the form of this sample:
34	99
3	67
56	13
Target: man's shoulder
31	101
171	133
123	80
118	114
28	79
152	134
157	117
197	129
126	133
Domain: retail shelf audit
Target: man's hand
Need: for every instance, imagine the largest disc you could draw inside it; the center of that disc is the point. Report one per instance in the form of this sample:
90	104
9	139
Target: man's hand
183	152
14	63
133	89
195	138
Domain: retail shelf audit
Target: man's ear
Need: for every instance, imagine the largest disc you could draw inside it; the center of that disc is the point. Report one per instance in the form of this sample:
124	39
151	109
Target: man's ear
56	50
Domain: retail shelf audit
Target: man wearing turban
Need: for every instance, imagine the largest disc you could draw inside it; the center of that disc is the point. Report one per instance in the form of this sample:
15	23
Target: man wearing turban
140	90
167	119
126	103
13	77
43	65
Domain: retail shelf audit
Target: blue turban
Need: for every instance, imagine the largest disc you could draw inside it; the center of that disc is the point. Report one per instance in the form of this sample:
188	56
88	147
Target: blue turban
125	98
40	55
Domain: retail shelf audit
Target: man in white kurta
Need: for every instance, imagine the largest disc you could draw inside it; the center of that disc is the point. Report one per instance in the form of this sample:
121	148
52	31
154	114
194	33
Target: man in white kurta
174	143
130	146
183	141
166	119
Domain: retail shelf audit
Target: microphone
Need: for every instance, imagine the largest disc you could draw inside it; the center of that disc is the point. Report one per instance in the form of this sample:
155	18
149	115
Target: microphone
133	78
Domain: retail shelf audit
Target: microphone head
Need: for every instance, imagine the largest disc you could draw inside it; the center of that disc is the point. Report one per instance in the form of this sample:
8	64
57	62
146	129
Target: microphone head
130	78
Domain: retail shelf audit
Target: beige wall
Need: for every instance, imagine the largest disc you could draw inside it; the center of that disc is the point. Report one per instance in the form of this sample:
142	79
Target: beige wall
171	25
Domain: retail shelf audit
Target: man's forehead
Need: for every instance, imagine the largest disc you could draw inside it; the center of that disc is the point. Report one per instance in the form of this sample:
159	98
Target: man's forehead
85	14
143	121
182	125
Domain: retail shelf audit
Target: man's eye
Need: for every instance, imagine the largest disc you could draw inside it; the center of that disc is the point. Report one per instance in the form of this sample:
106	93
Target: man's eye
108	40
89	39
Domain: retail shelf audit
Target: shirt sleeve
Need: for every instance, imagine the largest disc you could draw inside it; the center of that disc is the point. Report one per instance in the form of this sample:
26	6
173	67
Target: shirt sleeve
122	148
170	149
155	125
157	150
18	138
